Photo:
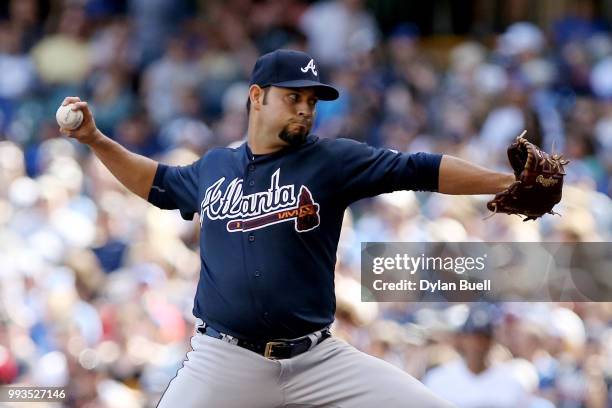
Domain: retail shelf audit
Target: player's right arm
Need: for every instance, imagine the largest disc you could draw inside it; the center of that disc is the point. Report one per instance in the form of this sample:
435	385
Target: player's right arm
134	171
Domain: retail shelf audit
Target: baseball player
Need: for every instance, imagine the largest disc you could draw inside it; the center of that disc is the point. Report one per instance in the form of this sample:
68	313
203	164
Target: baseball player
270	216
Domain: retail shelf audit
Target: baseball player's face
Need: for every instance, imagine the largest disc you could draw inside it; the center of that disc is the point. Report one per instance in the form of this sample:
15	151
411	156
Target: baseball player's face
290	112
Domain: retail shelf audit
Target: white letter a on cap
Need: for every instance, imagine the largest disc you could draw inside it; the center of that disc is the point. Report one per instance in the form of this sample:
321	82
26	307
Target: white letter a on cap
310	66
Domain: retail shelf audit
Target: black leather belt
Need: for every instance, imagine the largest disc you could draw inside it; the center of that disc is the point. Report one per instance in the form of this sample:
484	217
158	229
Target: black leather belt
274	350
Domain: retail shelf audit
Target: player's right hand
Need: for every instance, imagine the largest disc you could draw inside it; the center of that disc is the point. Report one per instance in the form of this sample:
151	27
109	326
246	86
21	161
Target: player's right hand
87	133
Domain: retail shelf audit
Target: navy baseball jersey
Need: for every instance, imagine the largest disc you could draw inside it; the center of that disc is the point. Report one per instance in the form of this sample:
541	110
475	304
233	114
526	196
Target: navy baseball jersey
270	226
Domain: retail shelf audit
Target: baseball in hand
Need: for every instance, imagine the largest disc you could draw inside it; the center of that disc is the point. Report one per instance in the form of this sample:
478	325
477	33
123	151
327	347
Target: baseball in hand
67	118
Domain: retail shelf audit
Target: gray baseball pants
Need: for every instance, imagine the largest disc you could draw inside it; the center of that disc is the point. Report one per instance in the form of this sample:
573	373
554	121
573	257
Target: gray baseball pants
332	375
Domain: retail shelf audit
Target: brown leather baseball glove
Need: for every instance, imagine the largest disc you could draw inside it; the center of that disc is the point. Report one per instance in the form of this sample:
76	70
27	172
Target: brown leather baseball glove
538	185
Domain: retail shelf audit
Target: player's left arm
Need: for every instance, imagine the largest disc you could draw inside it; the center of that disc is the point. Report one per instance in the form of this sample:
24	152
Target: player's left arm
458	176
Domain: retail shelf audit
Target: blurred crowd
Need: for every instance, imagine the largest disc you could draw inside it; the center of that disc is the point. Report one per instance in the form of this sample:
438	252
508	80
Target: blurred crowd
96	286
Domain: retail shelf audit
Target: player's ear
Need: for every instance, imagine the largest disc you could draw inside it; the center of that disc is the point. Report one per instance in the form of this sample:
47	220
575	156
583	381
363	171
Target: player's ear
256	96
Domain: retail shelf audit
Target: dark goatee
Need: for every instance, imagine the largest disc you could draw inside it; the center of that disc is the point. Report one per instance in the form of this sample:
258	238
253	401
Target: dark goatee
293	138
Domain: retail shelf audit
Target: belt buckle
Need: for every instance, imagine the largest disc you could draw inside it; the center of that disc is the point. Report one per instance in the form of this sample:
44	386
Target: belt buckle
268	349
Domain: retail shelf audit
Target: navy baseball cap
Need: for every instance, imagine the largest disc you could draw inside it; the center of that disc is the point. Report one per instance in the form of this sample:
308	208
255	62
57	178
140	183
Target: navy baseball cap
291	69
480	320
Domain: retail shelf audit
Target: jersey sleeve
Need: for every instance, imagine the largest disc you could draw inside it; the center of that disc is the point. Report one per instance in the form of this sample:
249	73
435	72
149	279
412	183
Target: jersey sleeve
368	171
176	187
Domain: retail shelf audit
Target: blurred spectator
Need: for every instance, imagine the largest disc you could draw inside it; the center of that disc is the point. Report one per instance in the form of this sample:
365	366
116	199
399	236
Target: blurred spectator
25	20
17	68
580	23
339	29
476	379
138	135
165	79
64	57
154	22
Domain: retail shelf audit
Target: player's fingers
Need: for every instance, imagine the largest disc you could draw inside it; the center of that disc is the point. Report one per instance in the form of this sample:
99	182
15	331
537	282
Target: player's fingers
65	132
82	105
70	99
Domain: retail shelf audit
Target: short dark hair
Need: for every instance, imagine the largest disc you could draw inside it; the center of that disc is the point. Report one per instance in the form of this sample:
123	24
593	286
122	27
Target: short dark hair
248	102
